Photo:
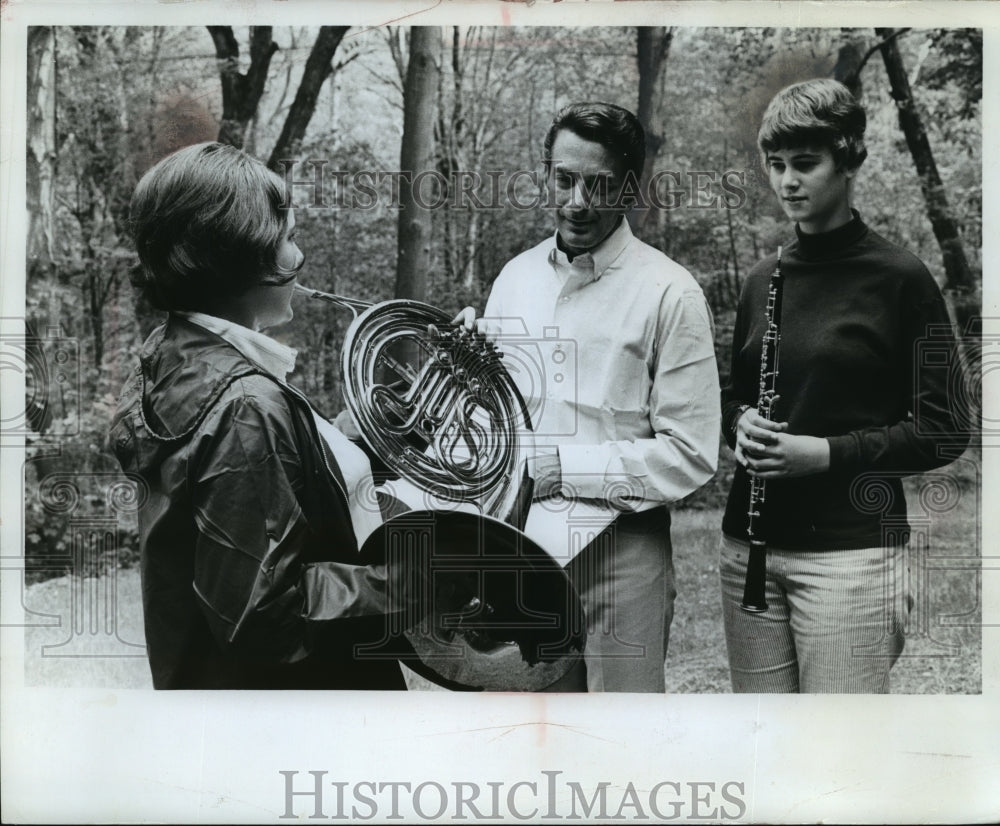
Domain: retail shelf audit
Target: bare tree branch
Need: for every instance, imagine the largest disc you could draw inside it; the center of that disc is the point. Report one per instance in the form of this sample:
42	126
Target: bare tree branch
956	266
318	68
241	93
853	77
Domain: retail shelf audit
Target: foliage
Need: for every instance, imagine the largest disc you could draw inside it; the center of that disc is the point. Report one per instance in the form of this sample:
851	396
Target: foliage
128	96
957	61
70	501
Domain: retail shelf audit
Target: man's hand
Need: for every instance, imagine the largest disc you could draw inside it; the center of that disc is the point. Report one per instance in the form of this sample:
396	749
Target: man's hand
546	469
768	452
467	319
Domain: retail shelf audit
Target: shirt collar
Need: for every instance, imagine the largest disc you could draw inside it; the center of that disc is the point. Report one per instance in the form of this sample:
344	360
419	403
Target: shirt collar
601	257
270	355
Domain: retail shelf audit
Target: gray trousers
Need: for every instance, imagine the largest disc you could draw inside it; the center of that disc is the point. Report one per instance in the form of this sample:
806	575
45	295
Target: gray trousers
625	578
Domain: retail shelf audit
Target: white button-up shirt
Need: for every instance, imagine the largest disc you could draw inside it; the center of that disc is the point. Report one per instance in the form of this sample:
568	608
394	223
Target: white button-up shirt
613	353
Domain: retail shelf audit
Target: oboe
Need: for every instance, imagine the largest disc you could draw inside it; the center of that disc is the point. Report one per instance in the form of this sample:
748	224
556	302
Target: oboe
754	600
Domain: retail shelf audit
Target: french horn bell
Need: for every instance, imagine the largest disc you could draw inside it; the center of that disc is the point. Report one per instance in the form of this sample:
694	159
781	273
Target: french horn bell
488	608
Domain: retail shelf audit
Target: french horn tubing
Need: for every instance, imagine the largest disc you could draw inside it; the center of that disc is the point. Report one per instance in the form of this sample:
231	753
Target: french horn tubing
435	403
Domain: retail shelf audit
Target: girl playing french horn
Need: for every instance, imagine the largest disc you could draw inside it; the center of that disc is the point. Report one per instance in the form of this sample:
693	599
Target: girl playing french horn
255	511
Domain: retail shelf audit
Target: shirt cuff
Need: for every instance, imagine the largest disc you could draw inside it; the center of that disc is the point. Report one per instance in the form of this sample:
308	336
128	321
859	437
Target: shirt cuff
582	471
547	473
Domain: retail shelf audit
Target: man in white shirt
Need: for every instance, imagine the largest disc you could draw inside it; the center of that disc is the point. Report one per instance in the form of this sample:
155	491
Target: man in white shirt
611	344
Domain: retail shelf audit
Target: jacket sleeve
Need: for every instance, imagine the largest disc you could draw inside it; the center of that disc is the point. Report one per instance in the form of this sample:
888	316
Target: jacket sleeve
934	430
261	599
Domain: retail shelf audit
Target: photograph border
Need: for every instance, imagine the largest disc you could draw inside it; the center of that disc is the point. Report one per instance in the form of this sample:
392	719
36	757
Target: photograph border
106	755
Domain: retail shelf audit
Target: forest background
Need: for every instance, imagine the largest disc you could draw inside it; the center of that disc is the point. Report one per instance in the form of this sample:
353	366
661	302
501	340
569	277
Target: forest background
105	103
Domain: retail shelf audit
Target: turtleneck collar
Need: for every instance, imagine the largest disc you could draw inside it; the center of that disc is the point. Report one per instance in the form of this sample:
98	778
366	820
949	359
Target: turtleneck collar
831	244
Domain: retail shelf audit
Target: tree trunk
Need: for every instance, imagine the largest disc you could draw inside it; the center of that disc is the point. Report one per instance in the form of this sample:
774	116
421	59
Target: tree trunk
318	68
471	243
41	149
416	156
241	93
734	285
96	307
957	273
652	48
848	68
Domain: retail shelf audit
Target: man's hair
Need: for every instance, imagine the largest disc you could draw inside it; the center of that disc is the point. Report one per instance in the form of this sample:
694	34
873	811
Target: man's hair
207	222
614	128
818	112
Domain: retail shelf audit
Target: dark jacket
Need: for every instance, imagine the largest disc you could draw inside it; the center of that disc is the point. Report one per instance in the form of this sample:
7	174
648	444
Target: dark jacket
249	561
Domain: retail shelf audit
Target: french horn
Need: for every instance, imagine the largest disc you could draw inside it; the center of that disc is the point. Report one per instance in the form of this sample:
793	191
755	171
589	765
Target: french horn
434	402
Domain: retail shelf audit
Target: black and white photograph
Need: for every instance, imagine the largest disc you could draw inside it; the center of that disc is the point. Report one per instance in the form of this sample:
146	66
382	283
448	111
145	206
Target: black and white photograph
379	379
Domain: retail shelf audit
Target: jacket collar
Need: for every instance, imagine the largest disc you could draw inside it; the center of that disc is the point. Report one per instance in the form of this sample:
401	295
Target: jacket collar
184	369
271	356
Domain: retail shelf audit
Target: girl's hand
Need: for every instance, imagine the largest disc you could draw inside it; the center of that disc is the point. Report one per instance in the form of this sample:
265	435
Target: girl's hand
754	434
344	422
768	452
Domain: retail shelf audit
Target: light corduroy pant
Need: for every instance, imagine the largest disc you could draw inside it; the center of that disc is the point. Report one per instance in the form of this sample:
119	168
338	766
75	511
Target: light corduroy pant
834	624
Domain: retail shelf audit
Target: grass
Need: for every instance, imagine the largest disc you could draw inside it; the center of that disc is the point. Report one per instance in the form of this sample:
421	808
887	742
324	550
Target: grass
942	655
944	639
696	656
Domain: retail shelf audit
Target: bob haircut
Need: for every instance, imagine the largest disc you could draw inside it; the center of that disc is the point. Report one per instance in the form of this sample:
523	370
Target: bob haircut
614	128
816	112
207	222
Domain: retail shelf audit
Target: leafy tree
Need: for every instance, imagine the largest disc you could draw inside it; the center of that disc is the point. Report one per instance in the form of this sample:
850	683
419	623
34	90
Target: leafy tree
105	103
957	273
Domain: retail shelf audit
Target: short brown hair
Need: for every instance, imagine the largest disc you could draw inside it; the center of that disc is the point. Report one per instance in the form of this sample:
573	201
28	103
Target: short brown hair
821	112
614	128
207	222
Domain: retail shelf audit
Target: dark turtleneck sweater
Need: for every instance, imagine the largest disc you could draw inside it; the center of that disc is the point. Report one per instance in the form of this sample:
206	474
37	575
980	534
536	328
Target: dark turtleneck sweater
867	357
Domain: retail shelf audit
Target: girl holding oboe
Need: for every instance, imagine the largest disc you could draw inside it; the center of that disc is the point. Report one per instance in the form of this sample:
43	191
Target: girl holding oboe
852	408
